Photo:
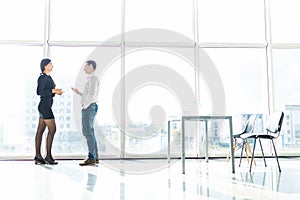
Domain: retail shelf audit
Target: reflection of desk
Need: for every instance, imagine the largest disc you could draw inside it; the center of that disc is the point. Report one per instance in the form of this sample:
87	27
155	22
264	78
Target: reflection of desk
206	119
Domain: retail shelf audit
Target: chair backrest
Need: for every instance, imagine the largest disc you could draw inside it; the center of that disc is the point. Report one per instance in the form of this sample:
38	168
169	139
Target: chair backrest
250	124
275	123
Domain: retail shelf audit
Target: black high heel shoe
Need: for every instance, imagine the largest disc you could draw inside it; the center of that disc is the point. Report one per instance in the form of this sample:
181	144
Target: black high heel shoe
39	161
50	161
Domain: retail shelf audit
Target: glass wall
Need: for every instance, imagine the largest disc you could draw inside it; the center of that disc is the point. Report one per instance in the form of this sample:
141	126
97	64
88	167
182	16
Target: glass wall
250	48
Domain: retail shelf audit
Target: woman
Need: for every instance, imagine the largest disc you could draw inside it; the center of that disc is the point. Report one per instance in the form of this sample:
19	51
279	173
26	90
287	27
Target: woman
46	90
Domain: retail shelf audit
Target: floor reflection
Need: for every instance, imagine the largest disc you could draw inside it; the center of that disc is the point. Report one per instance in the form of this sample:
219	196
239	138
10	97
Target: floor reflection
91	182
212	180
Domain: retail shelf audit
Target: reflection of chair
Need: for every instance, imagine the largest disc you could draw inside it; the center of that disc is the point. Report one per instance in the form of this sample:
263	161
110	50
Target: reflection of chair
272	132
249	127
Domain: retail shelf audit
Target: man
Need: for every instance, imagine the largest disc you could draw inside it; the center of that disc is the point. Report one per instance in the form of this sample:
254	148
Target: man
89	98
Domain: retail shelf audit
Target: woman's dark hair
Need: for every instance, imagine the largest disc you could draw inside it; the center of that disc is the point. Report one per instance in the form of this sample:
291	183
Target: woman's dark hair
44	62
93	63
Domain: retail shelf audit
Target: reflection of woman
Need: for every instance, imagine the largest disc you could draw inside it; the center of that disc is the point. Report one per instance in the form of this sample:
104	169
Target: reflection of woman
46	90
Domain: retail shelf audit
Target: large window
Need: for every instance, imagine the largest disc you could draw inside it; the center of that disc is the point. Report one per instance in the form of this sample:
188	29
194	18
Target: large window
253	53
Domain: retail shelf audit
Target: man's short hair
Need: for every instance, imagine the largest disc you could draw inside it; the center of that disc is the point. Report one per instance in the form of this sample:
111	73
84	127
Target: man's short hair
93	63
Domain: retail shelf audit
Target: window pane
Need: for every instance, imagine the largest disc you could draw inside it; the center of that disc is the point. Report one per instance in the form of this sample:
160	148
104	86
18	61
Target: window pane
168	14
286	81
19	21
18	75
231	21
65	71
285	23
243	75
109	131
287	98
151	98
68	72
85	20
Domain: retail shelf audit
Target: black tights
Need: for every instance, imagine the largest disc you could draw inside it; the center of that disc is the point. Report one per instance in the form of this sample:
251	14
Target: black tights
43	123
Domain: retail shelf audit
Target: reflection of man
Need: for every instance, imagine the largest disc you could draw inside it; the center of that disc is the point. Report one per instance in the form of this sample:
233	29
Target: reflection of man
89	97
91	182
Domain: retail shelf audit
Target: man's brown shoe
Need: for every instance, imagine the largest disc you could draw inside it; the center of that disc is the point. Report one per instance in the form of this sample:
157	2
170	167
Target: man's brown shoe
88	162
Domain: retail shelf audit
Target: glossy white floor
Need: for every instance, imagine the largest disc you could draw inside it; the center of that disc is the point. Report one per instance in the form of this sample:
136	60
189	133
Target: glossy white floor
213	180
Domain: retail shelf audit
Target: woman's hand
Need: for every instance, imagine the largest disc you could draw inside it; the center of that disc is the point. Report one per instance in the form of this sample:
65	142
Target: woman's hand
57	91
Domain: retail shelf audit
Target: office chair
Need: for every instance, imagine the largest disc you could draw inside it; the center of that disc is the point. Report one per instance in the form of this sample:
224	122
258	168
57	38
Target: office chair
273	129
249	127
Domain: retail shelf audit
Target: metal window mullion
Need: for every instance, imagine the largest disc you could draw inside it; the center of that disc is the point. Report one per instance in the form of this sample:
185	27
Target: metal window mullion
21	42
285	46
122	125
196	40
269	56
197	73
46	28
84	44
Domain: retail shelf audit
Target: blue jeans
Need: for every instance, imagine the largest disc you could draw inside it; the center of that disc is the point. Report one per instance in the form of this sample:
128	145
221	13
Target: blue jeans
88	116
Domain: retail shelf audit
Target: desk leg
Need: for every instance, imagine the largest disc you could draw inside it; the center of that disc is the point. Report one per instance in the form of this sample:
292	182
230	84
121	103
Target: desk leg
169	150
206	141
183	146
231	146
